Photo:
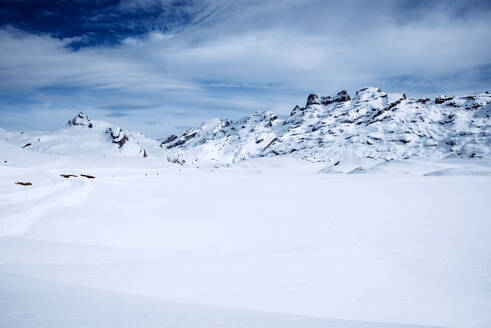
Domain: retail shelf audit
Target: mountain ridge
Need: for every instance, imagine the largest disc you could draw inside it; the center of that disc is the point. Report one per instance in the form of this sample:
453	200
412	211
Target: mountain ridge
372	124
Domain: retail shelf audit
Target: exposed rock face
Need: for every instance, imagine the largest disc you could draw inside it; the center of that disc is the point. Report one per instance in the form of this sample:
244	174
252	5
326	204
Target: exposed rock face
315	99
442	99
373	124
118	136
126	142
82	120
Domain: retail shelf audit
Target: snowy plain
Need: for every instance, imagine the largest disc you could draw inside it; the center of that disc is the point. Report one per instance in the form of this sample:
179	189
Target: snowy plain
276	241
267	243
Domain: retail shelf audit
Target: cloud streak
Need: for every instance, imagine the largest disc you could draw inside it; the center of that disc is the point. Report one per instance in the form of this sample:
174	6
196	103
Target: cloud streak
231	58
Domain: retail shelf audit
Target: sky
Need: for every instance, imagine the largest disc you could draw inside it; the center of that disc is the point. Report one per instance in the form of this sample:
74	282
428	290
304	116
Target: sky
161	66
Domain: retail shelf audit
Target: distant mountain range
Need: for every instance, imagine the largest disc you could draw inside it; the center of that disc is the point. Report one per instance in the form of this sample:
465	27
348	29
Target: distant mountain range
373	124
370	125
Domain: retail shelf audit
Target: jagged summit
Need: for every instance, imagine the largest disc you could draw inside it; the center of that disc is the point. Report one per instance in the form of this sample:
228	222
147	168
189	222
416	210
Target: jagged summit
373	124
370	125
315	99
80	119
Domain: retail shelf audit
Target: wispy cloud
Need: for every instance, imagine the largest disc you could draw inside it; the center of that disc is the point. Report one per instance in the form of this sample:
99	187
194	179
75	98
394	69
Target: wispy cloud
222	58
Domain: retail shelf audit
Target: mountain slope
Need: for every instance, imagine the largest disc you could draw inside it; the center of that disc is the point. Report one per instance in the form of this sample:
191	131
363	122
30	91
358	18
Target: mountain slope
374	125
82	136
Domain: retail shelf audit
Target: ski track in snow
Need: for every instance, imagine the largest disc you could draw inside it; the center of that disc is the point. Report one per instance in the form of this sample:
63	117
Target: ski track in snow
22	208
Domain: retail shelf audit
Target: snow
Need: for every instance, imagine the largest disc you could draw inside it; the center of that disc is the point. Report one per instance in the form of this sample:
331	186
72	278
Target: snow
269	235
257	241
374	124
33	302
82	136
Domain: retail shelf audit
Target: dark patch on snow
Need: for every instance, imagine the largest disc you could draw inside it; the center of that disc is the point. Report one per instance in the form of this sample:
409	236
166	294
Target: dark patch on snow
66	176
24	183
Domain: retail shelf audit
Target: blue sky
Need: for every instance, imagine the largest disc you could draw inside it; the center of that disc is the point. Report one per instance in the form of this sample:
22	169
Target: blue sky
159	66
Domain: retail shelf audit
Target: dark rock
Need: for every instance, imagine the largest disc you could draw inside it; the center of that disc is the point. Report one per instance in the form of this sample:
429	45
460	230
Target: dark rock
190	134
442	99
118	136
87	176
27	145
66	176
342	96
315	99
268	145
169	139
269	124
312	99
82	120
23	183
423	100
296	110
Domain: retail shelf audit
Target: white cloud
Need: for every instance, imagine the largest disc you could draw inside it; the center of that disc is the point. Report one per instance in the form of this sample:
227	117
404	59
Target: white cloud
29	62
257	55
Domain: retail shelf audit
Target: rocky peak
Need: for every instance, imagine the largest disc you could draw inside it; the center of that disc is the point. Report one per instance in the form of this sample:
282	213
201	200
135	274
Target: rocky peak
373	125
80	119
342	96
296	109
315	99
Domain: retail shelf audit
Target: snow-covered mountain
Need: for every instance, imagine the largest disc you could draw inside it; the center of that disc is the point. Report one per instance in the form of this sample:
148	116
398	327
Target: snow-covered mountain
83	136
371	125
268	242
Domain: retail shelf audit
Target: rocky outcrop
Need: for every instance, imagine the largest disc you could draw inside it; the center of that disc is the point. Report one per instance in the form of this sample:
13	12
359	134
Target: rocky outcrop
118	136
81	120
315	99
442	99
